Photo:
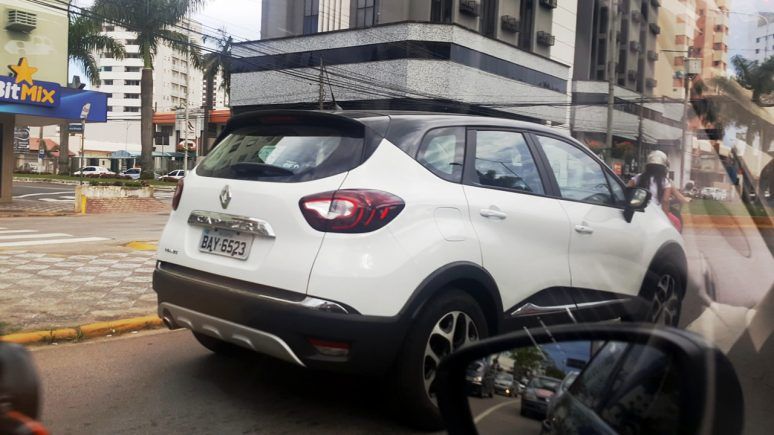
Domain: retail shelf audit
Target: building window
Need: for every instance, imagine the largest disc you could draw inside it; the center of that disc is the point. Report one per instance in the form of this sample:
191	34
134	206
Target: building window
757	40
107	82
311	16
132	96
108	28
131	109
489	18
109	108
133	69
757	50
107	68
366	13
441	11
132	82
132	55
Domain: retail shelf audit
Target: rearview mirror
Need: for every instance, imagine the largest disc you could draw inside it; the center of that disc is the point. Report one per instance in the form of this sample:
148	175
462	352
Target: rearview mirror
19	385
624	378
637	199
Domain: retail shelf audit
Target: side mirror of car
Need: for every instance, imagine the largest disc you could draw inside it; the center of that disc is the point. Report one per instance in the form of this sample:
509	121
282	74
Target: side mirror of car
19	384
595	378
637	199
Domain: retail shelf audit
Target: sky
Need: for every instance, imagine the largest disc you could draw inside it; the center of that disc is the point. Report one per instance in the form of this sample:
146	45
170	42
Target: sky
241	18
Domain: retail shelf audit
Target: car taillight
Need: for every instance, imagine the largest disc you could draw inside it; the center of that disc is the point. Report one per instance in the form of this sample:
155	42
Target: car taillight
178	194
350	210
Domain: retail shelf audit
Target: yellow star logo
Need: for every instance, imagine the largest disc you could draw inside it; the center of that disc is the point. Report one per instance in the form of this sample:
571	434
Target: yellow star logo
23	71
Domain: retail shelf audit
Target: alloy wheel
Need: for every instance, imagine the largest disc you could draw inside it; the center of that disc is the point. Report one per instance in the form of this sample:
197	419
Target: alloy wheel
665	306
453	331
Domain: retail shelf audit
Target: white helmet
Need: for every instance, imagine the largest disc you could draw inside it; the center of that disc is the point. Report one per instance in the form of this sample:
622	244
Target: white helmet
657	158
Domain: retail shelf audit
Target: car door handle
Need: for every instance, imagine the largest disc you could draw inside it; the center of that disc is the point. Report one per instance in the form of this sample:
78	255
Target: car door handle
489	213
583	229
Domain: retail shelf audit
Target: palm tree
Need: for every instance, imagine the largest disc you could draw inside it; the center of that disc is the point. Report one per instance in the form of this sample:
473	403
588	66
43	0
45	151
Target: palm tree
217	61
153	22
84	38
759	78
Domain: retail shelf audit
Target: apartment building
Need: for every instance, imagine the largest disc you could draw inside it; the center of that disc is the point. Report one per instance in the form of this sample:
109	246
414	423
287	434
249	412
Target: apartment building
764	37
172	75
219	93
429	54
711	41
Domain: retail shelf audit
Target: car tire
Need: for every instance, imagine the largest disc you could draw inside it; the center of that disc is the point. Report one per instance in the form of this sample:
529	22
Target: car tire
664	289
415	368
215	345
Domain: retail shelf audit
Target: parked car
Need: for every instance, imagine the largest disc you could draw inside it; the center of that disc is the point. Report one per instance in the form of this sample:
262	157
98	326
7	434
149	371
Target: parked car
480	379
132	173
94	171
360	236
504	384
175	175
540	390
714	193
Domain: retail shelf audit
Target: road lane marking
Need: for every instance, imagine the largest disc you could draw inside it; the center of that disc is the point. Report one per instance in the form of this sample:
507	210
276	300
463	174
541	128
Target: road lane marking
39	194
35	236
53	241
56	200
486	413
17	231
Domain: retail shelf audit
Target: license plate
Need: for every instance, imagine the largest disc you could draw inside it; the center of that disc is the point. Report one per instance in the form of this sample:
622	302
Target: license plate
226	243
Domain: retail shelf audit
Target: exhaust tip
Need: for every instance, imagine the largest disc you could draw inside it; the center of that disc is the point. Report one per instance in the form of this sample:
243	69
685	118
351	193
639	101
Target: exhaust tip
168	321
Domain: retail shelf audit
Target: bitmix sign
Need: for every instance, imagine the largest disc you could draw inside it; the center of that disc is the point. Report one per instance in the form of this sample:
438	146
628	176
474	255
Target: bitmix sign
20	88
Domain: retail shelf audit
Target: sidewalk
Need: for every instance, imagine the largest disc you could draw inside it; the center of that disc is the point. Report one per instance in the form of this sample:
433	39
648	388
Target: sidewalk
40	291
31	207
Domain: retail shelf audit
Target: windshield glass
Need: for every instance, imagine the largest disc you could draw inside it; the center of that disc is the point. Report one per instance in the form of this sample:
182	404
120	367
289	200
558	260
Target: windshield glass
544	383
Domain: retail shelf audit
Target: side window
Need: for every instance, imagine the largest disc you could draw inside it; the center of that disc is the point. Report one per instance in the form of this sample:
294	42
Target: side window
442	152
644	395
591	385
579	176
619	197
503	159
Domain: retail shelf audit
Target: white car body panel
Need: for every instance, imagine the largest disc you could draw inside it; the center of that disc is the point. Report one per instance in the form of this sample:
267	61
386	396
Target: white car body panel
377	272
283	262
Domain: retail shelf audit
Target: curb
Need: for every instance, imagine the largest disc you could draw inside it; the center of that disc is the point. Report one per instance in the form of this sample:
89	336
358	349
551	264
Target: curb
45	180
142	246
90	330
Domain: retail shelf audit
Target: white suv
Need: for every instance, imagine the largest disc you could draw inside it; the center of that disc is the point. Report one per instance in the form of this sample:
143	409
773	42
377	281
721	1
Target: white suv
379	242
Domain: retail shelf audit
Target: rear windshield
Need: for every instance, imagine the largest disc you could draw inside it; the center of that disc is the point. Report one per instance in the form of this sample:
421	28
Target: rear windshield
289	153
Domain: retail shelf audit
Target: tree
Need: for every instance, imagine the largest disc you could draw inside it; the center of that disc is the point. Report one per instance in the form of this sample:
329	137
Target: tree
154	23
211	64
526	359
759	78
84	38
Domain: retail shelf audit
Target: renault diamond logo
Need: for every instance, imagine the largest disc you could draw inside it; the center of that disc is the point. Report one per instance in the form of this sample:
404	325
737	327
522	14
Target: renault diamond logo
225	196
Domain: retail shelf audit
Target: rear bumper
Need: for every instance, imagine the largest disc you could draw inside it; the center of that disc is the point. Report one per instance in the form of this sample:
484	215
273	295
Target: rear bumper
276	322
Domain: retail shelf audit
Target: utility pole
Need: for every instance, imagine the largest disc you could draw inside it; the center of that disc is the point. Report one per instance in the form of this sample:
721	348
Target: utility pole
612	50
321	98
185	107
640	145
692	69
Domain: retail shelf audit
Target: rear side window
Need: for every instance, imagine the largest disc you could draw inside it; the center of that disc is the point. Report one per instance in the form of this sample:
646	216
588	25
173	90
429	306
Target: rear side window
504	160
443	151
285	153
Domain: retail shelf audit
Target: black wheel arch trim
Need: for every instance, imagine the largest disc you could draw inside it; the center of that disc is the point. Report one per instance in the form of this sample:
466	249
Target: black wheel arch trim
488	294
672	250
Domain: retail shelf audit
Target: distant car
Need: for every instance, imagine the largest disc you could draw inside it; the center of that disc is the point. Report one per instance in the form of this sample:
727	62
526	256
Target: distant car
133	173
566	383
480	379
539	391
504	384
175	175
714	193
93	171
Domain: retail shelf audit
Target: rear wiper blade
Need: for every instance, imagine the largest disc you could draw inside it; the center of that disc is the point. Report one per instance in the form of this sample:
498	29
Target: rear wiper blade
249	168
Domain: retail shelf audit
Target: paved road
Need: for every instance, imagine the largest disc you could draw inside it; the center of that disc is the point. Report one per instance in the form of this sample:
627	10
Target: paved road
501	415
49	192
87	231
165	382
